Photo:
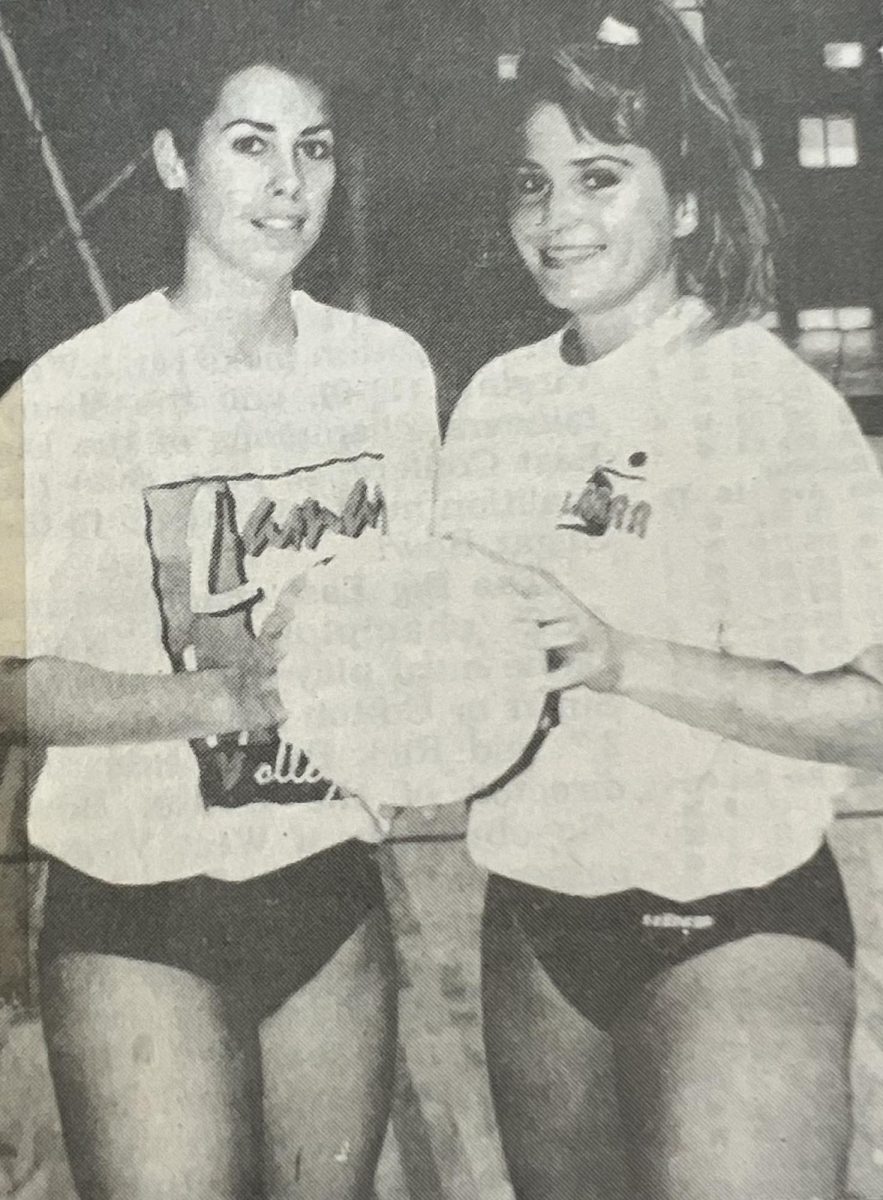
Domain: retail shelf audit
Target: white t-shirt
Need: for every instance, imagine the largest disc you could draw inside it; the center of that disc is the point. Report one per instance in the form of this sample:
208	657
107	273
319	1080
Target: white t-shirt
704	488
168	498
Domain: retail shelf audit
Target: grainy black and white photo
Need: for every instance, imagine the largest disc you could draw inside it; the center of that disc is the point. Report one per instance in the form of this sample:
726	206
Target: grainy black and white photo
441	600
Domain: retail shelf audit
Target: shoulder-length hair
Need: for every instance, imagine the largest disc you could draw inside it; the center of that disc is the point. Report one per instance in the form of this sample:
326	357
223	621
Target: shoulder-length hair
636	75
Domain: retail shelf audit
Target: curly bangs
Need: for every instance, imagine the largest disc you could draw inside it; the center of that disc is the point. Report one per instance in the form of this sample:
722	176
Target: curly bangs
662	91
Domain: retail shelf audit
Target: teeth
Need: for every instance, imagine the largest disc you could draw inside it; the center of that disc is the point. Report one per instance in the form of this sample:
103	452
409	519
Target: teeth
280	223
570	254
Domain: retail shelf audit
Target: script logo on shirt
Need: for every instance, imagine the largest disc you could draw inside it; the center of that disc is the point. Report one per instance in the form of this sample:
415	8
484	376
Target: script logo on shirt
222	550
604	504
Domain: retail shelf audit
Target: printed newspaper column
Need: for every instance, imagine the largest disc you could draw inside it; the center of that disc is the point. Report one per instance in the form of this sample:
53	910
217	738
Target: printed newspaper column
14	950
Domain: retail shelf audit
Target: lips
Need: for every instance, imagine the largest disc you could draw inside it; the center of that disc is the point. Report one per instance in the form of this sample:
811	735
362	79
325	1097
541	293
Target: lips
558	257
280	224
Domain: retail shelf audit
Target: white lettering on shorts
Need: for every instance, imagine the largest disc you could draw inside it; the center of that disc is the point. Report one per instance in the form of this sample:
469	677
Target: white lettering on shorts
685	922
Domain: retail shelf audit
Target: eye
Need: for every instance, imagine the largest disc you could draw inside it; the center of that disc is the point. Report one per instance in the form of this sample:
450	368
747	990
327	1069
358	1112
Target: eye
529	184
316	149
598	179
249	143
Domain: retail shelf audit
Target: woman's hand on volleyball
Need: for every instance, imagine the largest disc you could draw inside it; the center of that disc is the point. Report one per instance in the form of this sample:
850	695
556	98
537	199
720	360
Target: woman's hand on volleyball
252	684
377	823
582	649
253	689
282	614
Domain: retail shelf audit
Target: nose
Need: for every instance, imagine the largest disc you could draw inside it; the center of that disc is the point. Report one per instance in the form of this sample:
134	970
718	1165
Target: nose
564	207
286	178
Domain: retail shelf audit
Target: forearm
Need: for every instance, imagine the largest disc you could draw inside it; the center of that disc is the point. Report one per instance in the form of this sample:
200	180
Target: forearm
241	843
833	717
58	702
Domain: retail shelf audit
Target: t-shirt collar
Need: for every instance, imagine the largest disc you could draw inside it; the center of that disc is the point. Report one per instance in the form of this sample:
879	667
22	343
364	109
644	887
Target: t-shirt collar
176	326
689	317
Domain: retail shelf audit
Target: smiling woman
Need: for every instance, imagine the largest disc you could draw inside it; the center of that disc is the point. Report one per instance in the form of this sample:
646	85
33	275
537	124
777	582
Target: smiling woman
696	519
594	223
183	106
258	180
199	902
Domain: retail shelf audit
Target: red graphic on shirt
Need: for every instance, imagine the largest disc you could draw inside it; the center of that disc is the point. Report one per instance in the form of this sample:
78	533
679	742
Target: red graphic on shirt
222	549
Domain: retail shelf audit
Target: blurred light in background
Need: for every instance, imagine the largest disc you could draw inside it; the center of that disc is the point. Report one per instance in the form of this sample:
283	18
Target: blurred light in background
690	12
844	56
828	141
507	66
835	318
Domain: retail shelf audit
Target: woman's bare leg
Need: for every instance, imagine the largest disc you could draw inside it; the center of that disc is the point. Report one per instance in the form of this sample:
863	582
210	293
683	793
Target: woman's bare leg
552	1079
733	1071
328	1058
156	1092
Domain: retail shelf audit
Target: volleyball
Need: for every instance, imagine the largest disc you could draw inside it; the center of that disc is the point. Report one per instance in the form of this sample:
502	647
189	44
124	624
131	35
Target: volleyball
412	674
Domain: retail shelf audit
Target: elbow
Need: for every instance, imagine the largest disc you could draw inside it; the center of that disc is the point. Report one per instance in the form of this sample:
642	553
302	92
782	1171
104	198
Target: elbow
868	754
868	741
861	749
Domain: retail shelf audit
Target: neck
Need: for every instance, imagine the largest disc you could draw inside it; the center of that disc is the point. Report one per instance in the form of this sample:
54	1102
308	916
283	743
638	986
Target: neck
245	317
601	332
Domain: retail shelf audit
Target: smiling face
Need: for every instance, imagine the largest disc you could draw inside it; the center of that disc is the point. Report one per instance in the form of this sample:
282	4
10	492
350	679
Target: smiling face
593	221
260	179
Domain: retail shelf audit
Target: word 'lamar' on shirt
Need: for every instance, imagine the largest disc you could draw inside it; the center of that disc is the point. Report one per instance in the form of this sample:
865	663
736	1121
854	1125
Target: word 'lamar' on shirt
598	508
300	526
305	524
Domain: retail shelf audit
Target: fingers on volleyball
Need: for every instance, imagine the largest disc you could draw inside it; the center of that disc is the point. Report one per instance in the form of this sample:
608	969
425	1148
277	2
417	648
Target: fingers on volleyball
513	573
380	814
561	634
532	584
284	609
569	674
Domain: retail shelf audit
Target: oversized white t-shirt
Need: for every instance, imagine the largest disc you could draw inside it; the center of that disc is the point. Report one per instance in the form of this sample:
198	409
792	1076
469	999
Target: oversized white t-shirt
707	488
168	498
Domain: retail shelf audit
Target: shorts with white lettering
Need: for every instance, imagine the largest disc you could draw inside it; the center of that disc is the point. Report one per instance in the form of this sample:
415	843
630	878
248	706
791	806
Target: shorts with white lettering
259	941
600	952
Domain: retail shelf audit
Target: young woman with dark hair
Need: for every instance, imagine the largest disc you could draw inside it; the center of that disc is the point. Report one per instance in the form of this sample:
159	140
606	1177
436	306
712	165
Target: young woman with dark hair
217	974
699	524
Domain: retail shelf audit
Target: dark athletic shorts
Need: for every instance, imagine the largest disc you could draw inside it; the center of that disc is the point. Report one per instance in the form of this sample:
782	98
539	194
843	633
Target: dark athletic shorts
600	951
259	940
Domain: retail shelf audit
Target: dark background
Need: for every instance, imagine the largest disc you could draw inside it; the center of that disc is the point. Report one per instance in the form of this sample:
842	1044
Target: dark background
421	76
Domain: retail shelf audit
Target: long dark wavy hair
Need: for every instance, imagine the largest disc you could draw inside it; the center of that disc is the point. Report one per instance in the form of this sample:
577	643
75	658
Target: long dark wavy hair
658	88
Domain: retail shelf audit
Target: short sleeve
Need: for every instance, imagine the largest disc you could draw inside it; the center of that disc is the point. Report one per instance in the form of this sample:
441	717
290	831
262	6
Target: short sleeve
417	451
410	436
12	525
34	511
468	462
54	539
802	533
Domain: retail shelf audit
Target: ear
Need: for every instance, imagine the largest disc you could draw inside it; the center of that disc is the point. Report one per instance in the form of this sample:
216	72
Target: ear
169	164
686	215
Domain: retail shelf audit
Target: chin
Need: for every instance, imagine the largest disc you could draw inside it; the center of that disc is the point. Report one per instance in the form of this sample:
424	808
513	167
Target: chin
273	270
571	299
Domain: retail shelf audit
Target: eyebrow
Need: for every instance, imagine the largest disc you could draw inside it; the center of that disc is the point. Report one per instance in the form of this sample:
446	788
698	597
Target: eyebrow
264	127
582	162
594	158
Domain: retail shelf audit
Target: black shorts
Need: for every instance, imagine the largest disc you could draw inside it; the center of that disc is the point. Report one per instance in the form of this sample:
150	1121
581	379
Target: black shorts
259	940
600	951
